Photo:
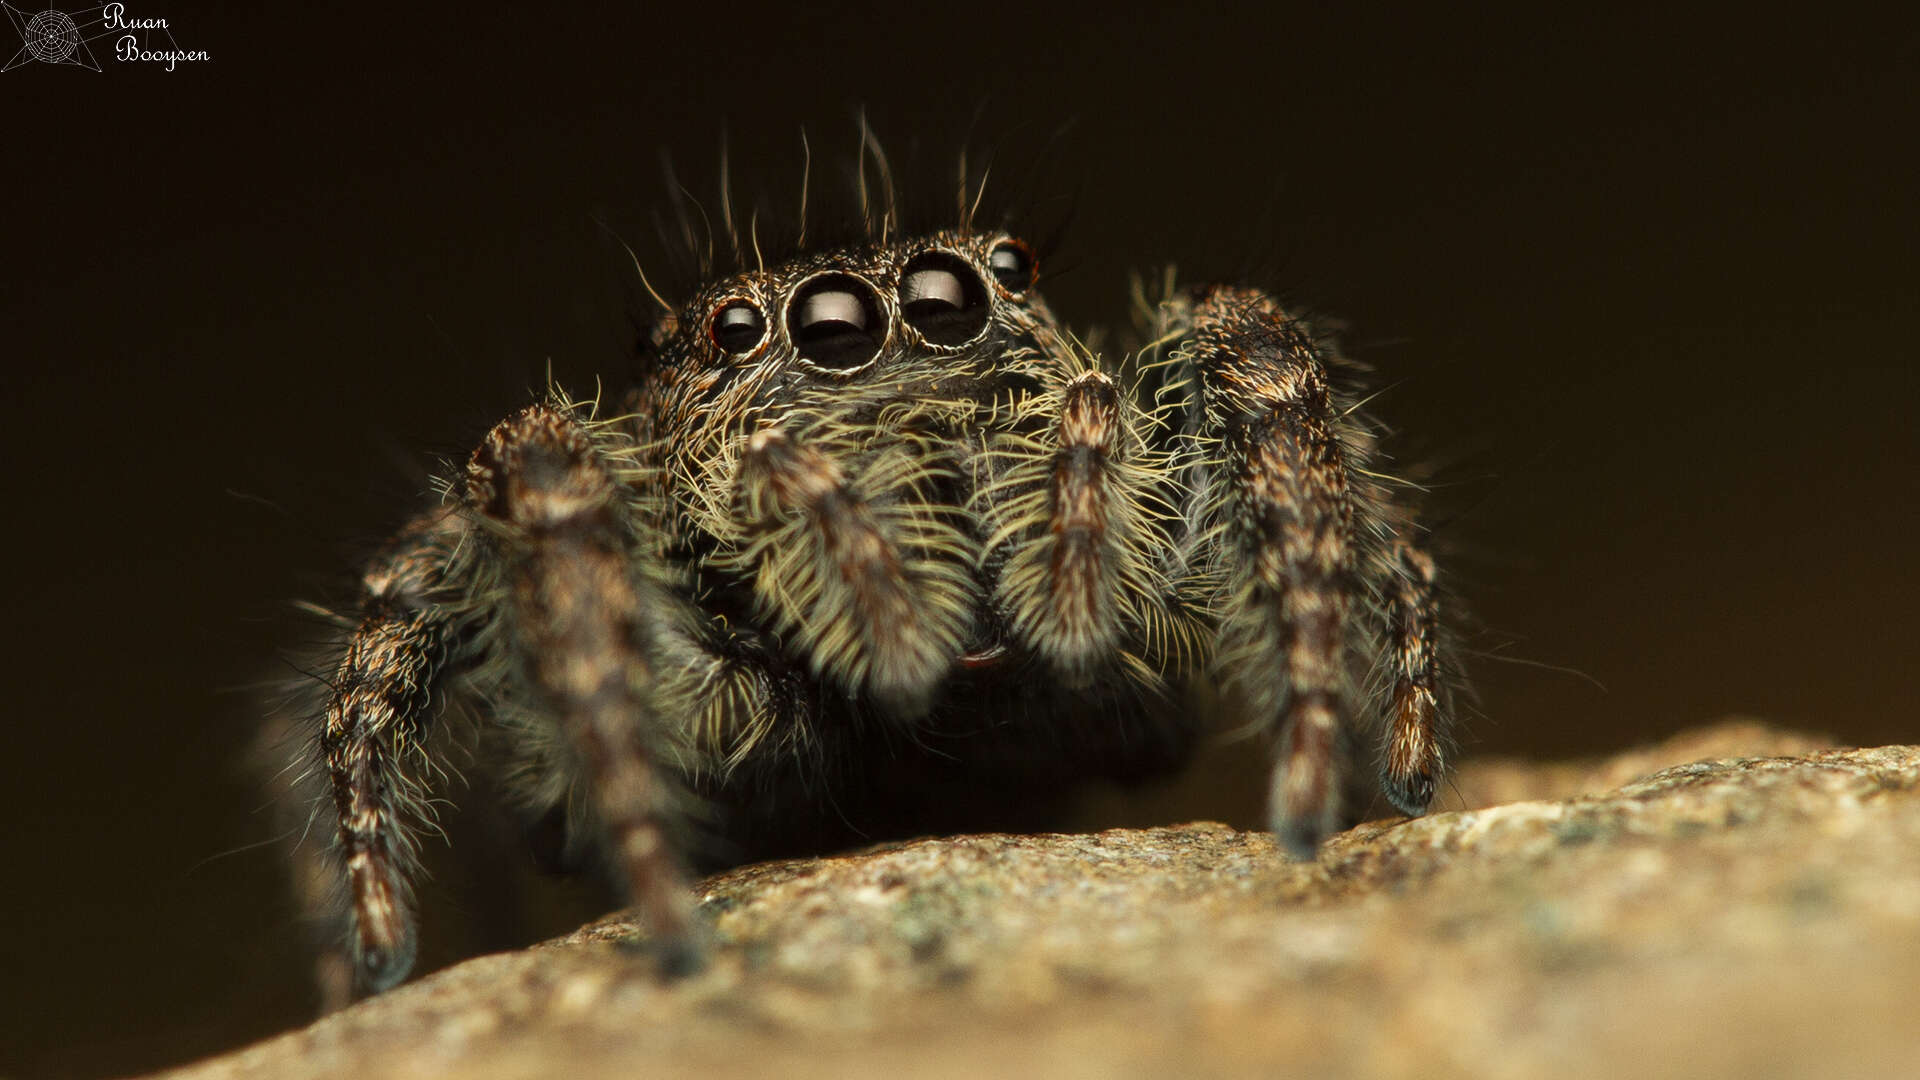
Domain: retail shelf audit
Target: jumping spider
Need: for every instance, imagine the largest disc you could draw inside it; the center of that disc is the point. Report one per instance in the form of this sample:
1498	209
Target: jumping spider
874	546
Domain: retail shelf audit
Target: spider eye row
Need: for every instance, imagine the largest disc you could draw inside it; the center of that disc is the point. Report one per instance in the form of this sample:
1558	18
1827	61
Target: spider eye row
835	320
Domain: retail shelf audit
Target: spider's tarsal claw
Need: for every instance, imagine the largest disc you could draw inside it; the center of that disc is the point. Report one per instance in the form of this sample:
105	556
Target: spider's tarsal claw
1305	793
1411	795
681	957
678	957
1300	838
1302	816
382	968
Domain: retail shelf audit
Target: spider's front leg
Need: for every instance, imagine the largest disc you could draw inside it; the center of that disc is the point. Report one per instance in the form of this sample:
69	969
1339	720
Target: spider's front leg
1308	538
541	595
585	628
371	748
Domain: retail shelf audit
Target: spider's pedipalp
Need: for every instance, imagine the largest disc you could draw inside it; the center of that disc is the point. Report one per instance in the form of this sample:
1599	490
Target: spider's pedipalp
581	621
851	553
1080	616
1071	508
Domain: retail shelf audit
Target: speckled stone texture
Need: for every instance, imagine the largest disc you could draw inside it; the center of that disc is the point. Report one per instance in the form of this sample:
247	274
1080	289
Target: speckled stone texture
1755	913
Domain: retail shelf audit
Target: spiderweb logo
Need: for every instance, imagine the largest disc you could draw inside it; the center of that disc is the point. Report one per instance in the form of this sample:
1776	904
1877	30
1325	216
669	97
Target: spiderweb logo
51	37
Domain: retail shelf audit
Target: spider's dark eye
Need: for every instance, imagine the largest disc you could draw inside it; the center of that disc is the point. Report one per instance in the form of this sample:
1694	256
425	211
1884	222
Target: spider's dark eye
738	327
835	321
1012	265
943	298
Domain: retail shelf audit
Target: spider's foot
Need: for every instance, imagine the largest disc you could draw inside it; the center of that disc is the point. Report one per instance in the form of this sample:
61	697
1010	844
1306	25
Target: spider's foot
1300	827
1410	794
382	967
1304	798
678	957
1300	839
681	957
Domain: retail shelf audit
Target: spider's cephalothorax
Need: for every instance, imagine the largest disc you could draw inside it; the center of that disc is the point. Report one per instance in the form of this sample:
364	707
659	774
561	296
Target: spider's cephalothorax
875	546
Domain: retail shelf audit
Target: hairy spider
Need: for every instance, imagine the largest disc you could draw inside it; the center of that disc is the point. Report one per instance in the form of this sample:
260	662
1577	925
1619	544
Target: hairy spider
874	546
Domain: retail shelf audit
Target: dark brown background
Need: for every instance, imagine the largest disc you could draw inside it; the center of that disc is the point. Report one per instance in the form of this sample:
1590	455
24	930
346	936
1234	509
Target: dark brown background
1649	285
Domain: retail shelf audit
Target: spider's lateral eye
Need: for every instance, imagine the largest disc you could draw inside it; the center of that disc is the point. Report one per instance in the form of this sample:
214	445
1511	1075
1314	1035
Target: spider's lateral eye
1012	265
943	298
835	321
739	327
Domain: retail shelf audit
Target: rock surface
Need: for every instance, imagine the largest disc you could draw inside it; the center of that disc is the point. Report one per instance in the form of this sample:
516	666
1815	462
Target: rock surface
1754	914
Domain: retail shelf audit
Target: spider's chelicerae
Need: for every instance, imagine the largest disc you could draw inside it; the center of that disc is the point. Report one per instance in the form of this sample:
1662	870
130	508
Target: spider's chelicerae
874	546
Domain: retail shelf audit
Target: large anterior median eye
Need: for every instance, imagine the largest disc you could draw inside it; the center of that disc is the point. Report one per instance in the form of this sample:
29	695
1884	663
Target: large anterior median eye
738	327
835	321
943	298
1013	265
